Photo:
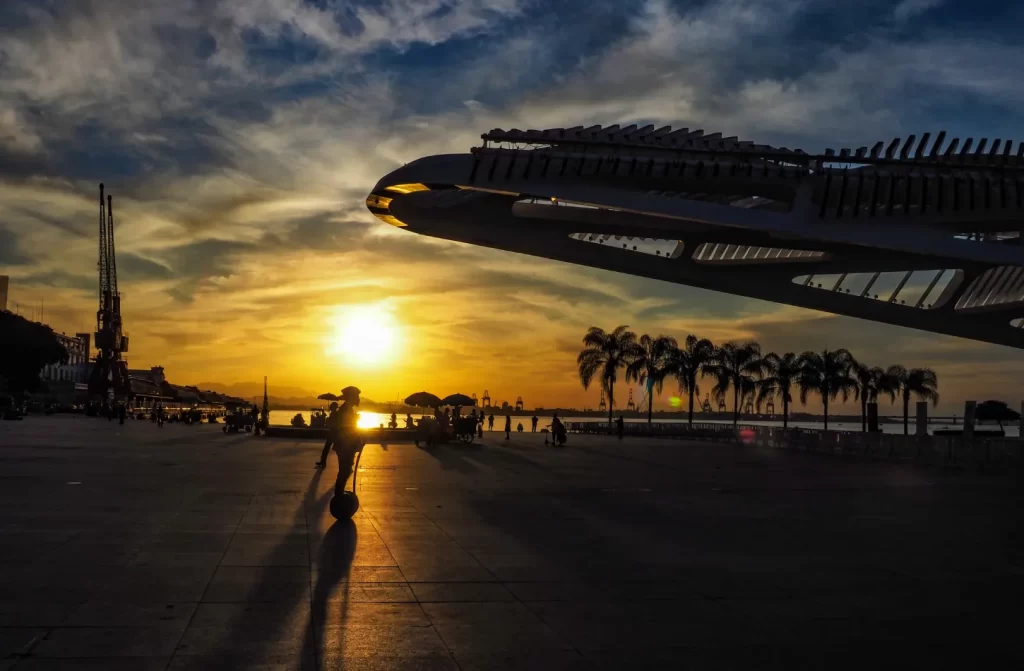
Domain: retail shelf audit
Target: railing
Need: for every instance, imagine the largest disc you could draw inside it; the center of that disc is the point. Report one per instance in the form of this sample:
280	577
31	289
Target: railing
984	453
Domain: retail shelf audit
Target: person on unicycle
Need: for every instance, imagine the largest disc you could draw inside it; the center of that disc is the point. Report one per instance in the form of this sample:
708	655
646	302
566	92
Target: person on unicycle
348	443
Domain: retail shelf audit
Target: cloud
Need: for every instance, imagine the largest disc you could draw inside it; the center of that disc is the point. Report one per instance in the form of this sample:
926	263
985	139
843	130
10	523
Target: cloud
908	9
239	139
9	254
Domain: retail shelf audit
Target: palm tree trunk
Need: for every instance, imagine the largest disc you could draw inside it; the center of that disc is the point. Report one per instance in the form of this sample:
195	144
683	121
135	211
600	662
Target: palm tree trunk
650	405
863	415
611	404
691	406
824	402
906	414
735	405
785	413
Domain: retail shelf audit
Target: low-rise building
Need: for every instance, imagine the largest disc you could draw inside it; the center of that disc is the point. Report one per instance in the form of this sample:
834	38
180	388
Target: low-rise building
67	382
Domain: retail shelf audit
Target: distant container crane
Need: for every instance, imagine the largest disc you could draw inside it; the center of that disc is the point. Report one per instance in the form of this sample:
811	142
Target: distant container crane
630	405
109	376
519	404
603	405
487	399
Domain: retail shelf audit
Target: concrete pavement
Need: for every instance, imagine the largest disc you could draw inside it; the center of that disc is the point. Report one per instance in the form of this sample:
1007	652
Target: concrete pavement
137	547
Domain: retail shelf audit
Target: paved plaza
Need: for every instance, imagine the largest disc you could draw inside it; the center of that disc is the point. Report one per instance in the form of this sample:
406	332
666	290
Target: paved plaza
139	547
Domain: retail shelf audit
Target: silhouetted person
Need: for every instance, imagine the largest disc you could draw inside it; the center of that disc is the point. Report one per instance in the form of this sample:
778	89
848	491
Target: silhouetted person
508	427
533	424
490	422
394	421
519	427
332	435
254	414
350	443
620	426
557	431
122	412
159	414
408	421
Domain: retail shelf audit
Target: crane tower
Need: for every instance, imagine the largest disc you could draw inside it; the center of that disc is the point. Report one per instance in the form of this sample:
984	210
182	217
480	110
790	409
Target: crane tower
630	405
109	375
486	399
519	404
603	405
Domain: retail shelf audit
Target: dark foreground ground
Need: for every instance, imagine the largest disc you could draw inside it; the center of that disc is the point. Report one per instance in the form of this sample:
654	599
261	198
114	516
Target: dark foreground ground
184	548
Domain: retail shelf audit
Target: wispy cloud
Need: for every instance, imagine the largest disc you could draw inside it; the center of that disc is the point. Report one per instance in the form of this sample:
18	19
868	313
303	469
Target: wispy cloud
239	139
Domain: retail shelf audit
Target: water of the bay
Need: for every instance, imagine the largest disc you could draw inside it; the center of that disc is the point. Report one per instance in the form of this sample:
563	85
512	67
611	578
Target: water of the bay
368	420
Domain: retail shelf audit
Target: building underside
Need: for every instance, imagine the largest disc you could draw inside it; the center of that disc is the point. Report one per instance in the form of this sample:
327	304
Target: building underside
918	233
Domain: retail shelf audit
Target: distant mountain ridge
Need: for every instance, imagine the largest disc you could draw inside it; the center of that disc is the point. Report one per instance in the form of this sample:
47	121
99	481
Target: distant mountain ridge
280	397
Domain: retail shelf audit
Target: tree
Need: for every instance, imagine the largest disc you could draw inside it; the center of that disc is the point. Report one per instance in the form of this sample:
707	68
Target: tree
870	383
995	411
650	366
689	362
782	373
739	367
25	348
921	382
602	356
826	373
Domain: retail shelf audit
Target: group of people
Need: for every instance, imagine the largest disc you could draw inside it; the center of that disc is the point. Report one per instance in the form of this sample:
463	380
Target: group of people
343	436
446	419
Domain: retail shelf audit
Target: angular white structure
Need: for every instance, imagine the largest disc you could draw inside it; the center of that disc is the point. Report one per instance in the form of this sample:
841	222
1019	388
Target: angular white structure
919	233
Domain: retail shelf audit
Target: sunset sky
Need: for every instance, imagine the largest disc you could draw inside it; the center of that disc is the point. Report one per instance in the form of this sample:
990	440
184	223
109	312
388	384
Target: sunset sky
239	139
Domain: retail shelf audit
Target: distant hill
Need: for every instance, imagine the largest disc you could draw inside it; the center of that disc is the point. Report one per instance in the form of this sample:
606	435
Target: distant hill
283	398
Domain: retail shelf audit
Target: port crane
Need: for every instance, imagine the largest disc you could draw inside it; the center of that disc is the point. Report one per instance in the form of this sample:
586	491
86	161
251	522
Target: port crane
109	376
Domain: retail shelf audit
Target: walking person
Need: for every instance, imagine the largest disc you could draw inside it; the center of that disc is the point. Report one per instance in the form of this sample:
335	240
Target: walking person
490	422
122	412
621	426
159	414
332	435
533	424
508	427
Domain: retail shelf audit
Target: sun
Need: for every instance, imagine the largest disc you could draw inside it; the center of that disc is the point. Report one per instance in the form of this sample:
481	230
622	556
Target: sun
365	336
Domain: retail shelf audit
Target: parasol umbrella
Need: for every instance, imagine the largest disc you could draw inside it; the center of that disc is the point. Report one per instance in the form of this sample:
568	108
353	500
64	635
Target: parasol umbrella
457	399
327	397
422	399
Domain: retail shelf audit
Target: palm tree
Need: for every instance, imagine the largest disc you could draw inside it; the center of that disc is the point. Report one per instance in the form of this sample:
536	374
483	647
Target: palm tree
781	374
870	383
650	366
922	382
826	373
737	366
602	356
690	361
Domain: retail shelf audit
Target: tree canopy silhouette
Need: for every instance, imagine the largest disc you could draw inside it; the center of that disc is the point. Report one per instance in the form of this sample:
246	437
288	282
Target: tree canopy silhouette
738	366
921	382
602	356
688	363
650	366
781	375
25	348
826	373
995	411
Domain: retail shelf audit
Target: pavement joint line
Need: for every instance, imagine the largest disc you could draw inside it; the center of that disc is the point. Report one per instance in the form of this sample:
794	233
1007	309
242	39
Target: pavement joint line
306	500
376	529
208	583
